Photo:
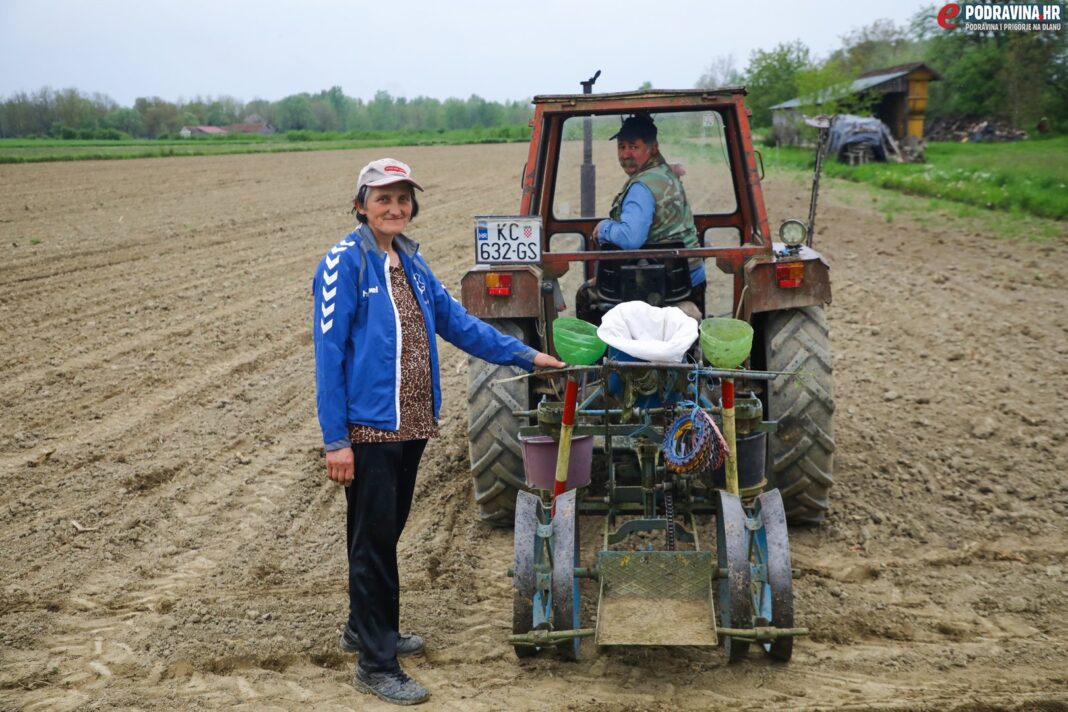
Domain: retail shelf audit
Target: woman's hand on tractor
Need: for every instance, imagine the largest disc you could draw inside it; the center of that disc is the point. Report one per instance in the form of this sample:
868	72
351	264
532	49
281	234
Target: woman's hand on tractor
543	360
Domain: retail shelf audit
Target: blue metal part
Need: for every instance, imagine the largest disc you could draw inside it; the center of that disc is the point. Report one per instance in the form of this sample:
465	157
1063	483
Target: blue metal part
771	575
597	393
543	586
758	568
543	609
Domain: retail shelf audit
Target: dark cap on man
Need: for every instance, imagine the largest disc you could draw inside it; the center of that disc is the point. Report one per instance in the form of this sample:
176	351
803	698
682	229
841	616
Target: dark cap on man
637	126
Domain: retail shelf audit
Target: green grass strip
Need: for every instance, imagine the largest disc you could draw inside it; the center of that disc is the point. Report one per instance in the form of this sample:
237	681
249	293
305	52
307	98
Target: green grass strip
47	150
1026	176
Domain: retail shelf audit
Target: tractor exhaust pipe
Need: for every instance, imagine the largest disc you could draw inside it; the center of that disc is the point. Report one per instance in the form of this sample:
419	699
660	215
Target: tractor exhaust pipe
588	174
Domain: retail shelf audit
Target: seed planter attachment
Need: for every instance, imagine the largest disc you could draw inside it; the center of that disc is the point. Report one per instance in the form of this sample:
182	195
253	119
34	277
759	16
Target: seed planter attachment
658	580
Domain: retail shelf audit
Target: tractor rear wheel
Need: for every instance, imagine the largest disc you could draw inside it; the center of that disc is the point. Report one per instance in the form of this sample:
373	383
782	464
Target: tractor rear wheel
493	432
801	451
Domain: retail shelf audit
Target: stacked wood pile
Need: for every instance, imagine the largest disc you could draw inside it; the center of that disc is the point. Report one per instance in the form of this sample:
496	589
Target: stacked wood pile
973	130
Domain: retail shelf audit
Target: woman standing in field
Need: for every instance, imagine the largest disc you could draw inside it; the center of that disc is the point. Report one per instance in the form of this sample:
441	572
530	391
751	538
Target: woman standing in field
378	308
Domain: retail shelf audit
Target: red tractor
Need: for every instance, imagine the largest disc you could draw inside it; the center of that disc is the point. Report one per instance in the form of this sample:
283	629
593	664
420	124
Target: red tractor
531	265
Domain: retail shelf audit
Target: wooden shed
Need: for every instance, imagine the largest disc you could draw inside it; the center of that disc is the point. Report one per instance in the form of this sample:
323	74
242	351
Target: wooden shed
901	101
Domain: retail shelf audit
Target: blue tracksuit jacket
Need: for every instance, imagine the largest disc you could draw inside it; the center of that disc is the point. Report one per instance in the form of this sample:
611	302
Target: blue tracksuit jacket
357	334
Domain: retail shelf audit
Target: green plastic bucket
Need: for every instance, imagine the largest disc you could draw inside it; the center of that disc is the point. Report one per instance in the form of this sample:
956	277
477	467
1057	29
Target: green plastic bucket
576	341
726	343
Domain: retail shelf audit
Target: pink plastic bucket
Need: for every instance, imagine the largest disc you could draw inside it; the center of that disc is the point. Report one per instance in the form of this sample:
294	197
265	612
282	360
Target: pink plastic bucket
539	461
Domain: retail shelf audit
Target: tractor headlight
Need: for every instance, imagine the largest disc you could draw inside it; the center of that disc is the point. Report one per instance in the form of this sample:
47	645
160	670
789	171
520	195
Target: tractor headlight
792	232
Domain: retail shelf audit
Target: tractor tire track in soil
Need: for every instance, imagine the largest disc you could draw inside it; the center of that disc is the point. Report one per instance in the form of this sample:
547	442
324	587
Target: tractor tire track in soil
168	540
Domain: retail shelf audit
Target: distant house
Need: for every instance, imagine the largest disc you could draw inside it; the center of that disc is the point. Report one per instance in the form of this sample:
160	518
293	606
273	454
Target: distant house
900	100
188	131
251	128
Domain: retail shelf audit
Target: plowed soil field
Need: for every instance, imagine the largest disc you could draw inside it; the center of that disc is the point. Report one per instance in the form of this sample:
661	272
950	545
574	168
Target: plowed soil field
168	539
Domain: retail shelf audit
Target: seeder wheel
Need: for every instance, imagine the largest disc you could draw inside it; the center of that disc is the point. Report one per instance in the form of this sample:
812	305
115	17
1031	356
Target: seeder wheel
769	550
528	551
566	604
732	552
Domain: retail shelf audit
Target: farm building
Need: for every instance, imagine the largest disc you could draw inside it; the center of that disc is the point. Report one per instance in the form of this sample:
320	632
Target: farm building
188	131
900	95
251	128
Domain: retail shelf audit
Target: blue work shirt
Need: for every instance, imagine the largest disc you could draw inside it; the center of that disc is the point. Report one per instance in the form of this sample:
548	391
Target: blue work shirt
636	216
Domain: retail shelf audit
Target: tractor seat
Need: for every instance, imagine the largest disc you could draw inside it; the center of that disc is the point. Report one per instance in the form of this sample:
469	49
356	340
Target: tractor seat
656	282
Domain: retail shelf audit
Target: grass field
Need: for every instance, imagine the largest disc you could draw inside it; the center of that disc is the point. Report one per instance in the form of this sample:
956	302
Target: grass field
48	149
1024	176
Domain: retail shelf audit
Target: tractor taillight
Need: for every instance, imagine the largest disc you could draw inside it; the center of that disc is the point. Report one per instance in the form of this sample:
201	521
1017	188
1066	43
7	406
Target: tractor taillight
499	285
790	274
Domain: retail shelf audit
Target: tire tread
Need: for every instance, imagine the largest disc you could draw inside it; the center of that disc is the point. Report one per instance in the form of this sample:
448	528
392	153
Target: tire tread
492	433
801	452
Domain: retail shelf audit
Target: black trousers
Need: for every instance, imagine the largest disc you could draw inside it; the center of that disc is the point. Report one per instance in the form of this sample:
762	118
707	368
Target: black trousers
379	500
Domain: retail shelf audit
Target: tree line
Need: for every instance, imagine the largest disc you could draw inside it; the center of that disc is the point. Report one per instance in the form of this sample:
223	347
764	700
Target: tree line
69	113
1013	76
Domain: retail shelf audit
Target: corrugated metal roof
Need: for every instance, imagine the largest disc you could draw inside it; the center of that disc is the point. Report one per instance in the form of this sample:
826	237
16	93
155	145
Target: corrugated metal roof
911	66
866	81
874	80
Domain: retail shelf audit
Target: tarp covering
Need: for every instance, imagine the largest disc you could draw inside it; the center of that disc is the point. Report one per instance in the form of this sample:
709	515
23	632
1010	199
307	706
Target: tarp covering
849	130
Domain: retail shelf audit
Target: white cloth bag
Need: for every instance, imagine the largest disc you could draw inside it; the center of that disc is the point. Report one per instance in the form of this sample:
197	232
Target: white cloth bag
648	333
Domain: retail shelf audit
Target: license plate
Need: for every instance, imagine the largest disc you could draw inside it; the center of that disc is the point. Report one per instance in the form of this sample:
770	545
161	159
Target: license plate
504	239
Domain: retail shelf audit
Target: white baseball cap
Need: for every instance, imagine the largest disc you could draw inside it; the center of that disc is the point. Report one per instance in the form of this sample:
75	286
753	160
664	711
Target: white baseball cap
385	171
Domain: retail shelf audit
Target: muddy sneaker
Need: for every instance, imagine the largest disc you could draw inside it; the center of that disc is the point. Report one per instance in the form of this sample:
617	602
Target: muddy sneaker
407	643
395	687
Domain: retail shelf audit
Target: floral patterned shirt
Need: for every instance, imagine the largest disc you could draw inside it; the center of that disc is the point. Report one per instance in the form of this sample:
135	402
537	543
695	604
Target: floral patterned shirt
416	398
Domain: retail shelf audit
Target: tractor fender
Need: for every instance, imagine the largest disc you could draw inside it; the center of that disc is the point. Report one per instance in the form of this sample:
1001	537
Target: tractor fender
763	290
523	301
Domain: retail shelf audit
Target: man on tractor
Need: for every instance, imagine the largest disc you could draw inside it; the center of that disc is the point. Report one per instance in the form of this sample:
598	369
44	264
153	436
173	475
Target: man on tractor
651	209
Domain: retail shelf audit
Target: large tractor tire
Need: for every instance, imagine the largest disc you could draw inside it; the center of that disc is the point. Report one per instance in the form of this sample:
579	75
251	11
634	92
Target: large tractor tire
801	452
493	432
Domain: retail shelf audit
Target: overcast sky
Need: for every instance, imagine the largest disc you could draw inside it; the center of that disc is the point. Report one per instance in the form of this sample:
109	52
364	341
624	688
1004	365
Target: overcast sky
497	49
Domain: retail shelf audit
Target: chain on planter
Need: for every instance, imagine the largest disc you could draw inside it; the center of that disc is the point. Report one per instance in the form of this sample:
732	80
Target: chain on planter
693	442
